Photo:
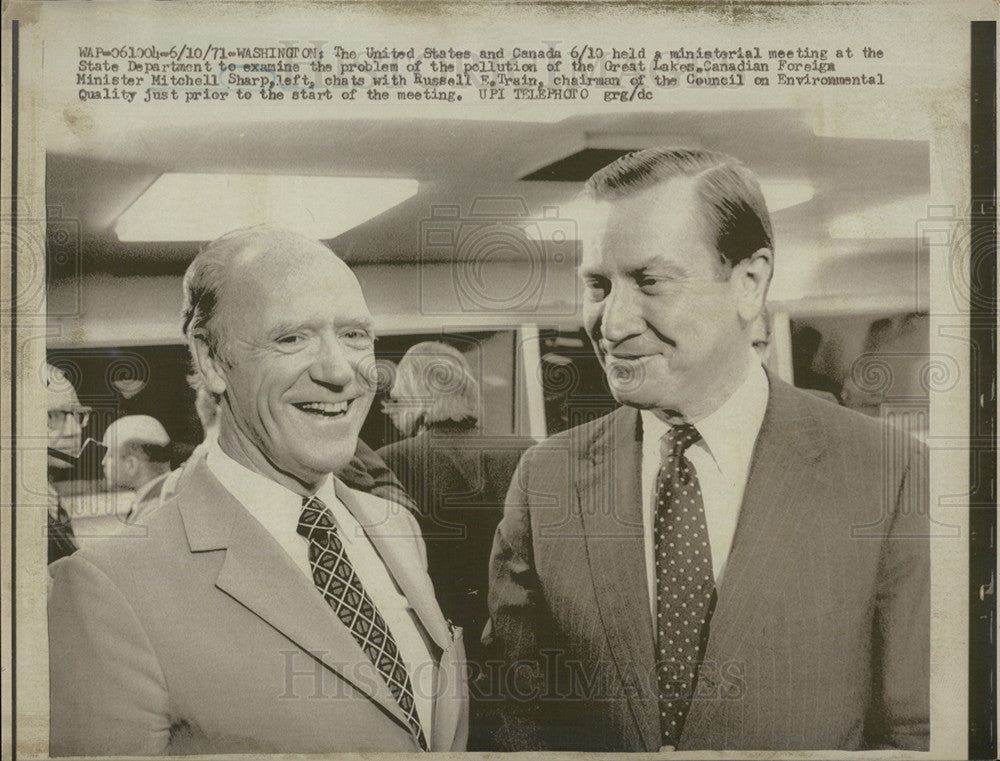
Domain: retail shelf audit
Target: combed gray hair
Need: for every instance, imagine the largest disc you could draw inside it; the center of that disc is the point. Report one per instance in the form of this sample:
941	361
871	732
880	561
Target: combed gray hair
730	195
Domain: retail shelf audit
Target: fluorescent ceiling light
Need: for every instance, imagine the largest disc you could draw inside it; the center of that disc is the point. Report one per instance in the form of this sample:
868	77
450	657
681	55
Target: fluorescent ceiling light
779	194
201	207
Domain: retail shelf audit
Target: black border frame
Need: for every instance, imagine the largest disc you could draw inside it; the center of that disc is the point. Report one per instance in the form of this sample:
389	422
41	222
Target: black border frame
14	103
982	392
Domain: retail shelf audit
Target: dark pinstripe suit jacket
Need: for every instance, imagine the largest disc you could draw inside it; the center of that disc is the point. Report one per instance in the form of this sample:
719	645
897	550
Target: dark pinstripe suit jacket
820	638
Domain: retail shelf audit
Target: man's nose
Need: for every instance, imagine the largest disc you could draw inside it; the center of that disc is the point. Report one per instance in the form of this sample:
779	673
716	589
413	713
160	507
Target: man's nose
332	366
622	317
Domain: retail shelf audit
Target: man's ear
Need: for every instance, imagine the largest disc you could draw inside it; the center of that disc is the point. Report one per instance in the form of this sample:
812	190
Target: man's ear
130	465
210	366
753	276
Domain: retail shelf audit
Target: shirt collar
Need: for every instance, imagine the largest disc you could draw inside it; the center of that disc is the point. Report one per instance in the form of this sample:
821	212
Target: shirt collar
729	433
252	489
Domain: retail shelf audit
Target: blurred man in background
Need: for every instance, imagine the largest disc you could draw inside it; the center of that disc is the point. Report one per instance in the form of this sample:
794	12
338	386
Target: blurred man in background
457	475
137	458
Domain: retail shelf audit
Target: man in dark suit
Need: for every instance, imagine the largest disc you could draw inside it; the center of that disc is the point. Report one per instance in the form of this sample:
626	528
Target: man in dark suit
724	562
269	608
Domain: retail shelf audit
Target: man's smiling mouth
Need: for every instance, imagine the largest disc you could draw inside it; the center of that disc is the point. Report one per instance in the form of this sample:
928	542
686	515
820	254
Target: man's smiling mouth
324	409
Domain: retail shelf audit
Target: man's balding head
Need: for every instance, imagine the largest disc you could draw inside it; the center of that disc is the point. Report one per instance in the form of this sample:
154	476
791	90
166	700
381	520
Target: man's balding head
138	450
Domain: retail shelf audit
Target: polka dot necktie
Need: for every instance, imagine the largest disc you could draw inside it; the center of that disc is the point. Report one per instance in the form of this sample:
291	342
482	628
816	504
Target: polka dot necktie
685	583
342	589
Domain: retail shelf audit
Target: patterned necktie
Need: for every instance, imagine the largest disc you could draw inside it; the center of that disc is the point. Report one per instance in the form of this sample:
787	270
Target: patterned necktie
685	583
342	589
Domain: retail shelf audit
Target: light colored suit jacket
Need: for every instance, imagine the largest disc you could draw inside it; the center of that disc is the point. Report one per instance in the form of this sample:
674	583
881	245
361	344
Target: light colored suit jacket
204	637
820	636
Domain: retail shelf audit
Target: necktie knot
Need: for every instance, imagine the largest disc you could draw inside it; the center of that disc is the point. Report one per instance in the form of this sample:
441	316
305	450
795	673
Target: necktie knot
676	440
315	519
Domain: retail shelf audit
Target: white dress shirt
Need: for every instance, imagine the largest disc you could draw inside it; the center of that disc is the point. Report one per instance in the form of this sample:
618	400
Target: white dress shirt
277	509
721	458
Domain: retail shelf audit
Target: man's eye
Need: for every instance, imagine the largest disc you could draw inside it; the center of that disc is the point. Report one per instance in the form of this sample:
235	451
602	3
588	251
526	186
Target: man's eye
597	288
357	334
291	339
657	284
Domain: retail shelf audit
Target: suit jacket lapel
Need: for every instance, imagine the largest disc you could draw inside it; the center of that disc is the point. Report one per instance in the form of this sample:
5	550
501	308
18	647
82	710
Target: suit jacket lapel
786	474
260	575
395	540
608	482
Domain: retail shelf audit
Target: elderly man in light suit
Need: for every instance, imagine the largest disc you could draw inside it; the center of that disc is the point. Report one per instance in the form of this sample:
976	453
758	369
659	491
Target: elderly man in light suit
724	562
270	608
